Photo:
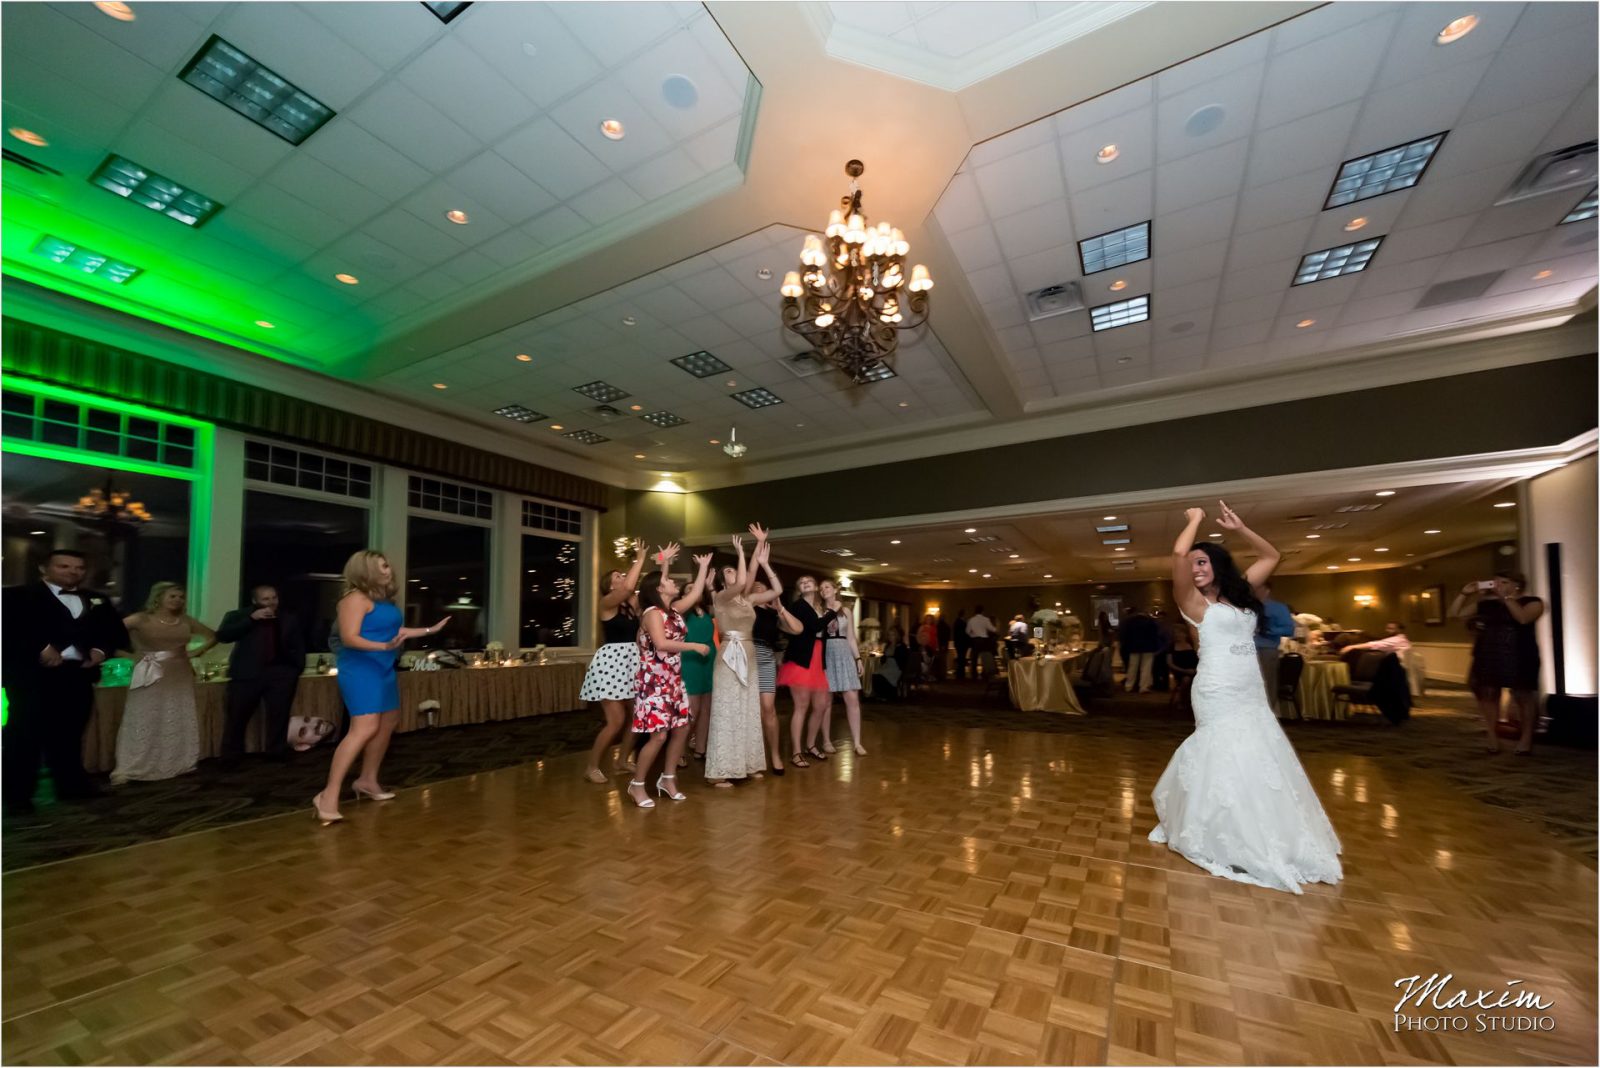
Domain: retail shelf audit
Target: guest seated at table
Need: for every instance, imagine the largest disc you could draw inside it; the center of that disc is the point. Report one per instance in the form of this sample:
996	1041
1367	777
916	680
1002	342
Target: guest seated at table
1393	641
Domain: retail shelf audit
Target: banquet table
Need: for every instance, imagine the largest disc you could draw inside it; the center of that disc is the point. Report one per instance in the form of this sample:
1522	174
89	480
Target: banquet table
1043	684
1316	689
465	695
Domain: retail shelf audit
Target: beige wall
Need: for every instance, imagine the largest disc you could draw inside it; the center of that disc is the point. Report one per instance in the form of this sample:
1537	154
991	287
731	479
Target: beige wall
1559	507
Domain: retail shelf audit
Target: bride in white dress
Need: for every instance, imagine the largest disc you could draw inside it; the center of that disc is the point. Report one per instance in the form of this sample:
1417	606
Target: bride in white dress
1235	800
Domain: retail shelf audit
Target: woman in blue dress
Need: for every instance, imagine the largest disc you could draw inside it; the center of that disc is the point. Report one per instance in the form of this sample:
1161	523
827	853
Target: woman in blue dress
370	636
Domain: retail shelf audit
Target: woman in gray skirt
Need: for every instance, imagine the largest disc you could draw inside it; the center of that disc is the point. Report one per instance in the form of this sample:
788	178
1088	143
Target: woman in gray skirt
841	656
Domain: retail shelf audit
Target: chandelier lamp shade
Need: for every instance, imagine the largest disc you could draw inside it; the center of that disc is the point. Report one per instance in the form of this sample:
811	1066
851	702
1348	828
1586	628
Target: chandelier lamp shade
852	295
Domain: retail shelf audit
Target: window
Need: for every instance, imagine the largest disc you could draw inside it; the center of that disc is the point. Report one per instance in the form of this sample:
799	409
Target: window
447	577
549	591
300	546
46	419
283	466
537	515
432	495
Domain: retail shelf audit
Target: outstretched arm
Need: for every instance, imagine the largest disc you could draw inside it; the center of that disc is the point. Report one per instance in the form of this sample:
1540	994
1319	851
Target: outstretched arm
615	598
745	576
774	586
1190	600
691	596
1267	556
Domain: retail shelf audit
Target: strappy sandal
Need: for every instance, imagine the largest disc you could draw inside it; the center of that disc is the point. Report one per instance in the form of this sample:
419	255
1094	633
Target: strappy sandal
799	761
816	754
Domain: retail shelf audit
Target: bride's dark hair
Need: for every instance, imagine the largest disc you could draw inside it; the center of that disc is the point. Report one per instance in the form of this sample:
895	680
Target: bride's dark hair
1229	584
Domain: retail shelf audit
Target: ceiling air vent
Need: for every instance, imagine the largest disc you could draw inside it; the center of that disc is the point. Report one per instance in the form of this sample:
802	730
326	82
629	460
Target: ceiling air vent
1458	289
1565	168
805	364
1051	301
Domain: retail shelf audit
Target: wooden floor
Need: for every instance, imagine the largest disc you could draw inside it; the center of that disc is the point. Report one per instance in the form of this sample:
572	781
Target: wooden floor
956	897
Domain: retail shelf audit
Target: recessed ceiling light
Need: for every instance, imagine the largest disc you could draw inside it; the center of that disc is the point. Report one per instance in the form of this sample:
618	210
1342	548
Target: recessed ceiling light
1107	153
1016	556
1216	534
142	186
1543	275
764	273
905	404
1506	504
348	279
1384	493
1333	567
1381	549
36	533
972	571
86	260
972	530
557	426
28	137
894	541
1353	559
1118	286
1313	536
628	320
117	10
523	357
1120	549
1456	29
636	407
440	385
1586	209
1431	532
987	575
713	441
263	96
1115	248
457	216
1303	323
1124	359
1377	173
530	49
1108	518
265	325
1355	224
1120	313
1334	262
1051	576
520	413
611	129
638	456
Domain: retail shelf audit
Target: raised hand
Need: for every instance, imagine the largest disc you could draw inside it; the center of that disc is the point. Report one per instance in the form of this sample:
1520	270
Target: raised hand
758	532
1227	519
641	547
738	544
668	552
704	560
1194	515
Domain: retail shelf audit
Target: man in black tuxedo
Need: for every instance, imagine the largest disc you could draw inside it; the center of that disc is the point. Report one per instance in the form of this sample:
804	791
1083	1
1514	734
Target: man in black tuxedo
269	654
56	637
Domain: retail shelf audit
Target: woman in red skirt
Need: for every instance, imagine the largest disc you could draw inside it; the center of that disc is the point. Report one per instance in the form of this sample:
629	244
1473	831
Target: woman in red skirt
660	705
803	670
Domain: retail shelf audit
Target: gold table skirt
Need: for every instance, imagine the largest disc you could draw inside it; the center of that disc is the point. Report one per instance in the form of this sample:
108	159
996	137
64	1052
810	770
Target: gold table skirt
467	695
1316	689
1039	685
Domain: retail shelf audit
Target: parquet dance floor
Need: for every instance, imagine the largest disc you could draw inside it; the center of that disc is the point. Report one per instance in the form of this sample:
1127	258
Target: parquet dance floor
956	897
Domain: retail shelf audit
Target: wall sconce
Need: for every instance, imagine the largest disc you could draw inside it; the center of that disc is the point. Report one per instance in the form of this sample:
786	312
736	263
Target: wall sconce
1366	600
933	610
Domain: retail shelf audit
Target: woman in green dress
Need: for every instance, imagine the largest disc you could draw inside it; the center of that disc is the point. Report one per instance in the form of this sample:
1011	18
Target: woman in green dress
697	671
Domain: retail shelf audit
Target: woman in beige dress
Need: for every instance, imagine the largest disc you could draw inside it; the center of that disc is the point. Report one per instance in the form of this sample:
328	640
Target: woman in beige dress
735	747
160	735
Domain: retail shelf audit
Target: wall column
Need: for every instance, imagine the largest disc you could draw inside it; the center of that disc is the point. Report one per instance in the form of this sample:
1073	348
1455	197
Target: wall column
1559	507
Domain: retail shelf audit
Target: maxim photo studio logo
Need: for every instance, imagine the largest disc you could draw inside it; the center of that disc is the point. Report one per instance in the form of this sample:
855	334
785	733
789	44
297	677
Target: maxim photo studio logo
1432	1004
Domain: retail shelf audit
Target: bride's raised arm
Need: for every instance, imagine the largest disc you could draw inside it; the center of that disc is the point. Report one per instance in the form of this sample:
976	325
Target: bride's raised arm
1267	555
1191	602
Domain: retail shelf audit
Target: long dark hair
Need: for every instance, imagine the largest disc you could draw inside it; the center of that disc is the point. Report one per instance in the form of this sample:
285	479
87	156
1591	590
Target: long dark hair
1230	584
650	592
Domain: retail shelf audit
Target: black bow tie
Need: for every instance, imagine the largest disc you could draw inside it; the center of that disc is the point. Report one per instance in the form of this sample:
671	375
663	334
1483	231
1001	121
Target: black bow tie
70	593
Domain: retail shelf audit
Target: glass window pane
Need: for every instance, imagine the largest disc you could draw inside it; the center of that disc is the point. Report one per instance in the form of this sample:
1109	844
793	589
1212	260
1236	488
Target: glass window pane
144	428
300	547
143	449
100	419
549	586
447	577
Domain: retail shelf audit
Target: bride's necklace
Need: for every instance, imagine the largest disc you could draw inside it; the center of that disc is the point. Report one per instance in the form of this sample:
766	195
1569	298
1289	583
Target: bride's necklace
168	622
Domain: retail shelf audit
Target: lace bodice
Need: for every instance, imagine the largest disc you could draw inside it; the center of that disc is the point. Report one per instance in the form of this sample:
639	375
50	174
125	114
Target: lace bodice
733	614
1228	664
150	635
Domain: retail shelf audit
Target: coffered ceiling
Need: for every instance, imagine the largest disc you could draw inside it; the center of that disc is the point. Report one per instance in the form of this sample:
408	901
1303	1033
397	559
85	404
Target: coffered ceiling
978	124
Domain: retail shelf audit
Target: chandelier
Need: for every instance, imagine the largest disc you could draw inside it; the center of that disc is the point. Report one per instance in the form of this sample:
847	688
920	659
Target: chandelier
735	448
852	296
112	507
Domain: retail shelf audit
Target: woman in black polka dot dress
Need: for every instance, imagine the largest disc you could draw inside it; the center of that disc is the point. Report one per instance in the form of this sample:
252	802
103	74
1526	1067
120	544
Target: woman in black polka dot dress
614	670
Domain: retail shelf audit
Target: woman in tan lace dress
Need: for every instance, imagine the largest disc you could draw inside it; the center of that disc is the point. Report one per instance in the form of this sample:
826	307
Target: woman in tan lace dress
160	737
735	748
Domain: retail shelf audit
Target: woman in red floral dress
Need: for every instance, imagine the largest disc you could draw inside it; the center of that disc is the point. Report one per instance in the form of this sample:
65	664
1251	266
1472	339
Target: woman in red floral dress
661	707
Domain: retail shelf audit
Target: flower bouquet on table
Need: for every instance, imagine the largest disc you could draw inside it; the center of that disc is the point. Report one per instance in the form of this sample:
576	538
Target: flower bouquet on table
538	654
494	652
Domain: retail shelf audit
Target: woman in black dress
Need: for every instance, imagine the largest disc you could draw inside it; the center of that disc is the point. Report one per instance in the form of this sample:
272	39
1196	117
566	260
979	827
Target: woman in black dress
1505	652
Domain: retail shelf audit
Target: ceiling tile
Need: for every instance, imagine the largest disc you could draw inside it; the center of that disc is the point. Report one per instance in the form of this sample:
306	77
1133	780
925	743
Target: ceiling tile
1202	177
1331	69
548	154
413	127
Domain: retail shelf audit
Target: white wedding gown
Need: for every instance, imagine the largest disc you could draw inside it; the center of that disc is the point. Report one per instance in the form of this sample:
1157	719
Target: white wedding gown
1235	800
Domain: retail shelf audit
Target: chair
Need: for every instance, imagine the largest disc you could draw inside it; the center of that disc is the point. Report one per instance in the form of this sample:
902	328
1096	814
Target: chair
1363	672
1096	679
1290	667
